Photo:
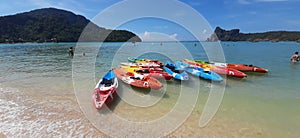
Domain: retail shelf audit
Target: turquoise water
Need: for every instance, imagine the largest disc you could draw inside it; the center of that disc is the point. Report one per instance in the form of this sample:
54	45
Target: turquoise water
37	89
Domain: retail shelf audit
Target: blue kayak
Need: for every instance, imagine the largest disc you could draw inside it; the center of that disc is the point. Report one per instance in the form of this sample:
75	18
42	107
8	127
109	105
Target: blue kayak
200	72
132	59
176	72
109	75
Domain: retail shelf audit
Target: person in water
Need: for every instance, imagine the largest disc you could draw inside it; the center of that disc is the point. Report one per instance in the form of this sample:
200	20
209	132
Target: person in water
71	51
295	57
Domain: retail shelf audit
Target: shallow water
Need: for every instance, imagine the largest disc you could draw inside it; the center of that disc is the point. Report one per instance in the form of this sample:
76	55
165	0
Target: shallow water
37	97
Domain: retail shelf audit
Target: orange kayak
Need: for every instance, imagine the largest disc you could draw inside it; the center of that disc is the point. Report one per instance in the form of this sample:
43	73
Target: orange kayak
247	68
239	67
138	80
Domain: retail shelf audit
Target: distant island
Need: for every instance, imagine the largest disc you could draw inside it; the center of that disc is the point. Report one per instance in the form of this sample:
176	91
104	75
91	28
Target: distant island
56	25
235	35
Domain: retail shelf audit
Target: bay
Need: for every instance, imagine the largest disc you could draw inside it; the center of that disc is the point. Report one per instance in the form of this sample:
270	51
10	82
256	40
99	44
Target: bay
37	88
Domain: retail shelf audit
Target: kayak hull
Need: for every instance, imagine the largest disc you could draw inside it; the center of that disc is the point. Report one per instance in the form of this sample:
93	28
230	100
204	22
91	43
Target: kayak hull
208	75
200	72
176	72
222	70
105	90
239	67
144	65
140	60
247	68
229	72
137	80
152	72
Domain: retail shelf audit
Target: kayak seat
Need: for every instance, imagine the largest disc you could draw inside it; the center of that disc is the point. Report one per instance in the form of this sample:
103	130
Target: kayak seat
178	71
103	81
208	72
136	78
107	83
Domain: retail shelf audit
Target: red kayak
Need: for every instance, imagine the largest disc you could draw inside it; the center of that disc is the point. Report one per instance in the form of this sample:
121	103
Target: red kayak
228	72
247	68
137	80
105	90
144	65
155	73
240	67
152	72
217	69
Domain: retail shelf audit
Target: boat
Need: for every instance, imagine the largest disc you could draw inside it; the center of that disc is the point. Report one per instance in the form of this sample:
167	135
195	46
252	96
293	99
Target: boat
141	60
105	90
247	68
141	67
243	67
240	67
146	65
137	80
222	70
153	72
175	71
130	59
200	72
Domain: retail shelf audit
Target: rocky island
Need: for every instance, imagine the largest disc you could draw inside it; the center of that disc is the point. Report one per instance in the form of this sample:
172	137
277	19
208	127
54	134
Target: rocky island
236	35
56	25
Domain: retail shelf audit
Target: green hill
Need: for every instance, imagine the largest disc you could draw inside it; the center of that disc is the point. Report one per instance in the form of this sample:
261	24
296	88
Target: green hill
235	35
50	24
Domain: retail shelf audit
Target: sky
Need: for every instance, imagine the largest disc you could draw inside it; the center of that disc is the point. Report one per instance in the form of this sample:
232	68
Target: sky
247	15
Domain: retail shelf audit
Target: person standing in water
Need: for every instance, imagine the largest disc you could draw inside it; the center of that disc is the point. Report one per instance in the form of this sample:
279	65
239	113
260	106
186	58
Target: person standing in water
71	51
295	57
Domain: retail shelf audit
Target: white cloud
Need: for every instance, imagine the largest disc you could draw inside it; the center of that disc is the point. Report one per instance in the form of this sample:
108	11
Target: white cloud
173	36
204	31
154	36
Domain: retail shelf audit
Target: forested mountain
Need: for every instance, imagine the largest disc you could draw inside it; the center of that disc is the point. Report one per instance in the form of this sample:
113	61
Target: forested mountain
56	25
235	35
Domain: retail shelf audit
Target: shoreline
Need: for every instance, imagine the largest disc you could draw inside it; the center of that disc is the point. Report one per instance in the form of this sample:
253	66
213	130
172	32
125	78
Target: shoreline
156	42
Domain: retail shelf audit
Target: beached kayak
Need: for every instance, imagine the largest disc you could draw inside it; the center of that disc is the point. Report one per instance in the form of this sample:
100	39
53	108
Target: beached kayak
176	72
222	70
153	72
138	67
200	72
130	59
105	90
247	68
144	65
137	80
140	60
240	67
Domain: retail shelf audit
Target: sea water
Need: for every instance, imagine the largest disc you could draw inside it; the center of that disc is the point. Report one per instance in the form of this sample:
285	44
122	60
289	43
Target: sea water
38	83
